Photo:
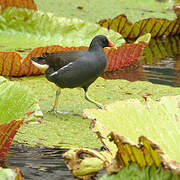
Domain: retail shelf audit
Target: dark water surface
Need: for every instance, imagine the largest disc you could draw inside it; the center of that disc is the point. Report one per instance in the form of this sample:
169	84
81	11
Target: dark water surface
160	64
38	163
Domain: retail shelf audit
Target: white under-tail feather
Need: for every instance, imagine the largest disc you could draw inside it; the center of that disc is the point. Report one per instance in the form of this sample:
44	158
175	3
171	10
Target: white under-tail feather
40	66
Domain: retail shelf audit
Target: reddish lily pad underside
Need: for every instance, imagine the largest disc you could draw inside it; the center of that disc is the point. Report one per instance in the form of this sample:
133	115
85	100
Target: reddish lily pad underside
156	26
146	153
7	133
11	63
29	4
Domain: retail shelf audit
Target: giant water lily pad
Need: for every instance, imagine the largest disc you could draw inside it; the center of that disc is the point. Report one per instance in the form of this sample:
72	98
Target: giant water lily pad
156	26
69	130
10	174
129	18
15	101
123	128
134	172
33	29
96	10
157	120
55	30
7	133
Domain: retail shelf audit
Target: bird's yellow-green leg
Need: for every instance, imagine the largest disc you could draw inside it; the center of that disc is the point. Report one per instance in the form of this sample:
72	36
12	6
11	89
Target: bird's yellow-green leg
93	101
54	109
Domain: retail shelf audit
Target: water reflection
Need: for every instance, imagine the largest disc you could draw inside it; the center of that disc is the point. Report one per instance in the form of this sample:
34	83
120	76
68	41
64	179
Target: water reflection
133	73
38	163
160	64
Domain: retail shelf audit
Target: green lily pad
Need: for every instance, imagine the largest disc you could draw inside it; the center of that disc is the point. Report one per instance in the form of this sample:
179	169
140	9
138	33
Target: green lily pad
156	120
15	101
34	28
129	18
133	172
65	129
10	174
97	9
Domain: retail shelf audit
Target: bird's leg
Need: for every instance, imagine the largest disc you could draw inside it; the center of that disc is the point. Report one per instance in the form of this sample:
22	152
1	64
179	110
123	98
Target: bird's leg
91	100
54	109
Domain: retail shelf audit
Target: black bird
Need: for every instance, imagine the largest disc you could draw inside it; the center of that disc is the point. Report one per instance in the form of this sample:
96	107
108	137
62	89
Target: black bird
76	68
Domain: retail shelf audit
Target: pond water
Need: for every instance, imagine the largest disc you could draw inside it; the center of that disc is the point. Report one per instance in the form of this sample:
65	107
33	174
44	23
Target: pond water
38	163
159	64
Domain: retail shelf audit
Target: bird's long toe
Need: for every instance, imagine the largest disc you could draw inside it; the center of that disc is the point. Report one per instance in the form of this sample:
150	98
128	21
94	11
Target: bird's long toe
100	106
54	111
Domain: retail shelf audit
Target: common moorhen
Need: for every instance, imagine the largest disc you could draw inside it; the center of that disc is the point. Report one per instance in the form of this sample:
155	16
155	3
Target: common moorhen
76	68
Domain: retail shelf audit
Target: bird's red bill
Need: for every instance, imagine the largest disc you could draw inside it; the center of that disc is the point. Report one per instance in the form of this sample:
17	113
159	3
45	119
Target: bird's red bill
111	44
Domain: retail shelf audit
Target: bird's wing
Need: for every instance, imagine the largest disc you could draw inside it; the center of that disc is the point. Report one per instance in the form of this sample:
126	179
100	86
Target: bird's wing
62	58
76	73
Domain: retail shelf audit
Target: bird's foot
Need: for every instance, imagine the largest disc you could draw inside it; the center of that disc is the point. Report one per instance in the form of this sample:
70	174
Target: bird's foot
54	111
100	106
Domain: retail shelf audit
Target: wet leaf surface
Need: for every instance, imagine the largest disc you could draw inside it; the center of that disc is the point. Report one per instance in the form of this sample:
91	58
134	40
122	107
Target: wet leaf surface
92	10
134	172
159	123
15	101
70	130
10	174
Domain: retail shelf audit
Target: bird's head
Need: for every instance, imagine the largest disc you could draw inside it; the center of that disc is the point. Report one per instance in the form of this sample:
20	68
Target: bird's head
100	41
41	62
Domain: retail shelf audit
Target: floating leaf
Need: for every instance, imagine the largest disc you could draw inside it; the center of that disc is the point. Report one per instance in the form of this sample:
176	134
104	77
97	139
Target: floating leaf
156	26
10	174
33	29
135	10
65	128
123	56
29	4
58	30
85	163
15	101
10	64
133	172
7	133
159	123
